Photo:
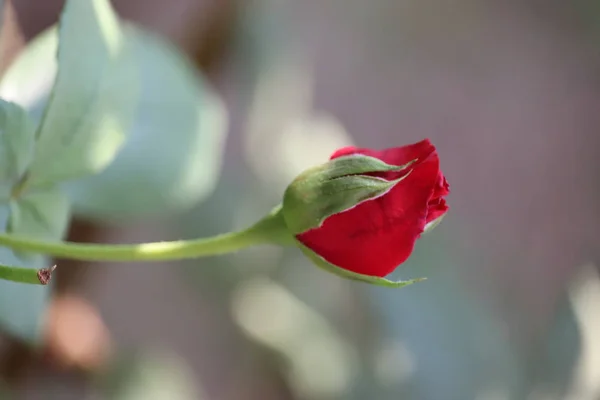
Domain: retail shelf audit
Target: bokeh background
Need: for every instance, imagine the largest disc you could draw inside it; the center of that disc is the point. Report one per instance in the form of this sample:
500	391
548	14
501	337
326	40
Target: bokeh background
509	91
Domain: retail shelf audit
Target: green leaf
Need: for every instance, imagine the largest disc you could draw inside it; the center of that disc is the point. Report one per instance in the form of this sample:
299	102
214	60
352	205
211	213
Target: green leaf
29	78
42	214
22	307
173	156
17	136
373	280
93	97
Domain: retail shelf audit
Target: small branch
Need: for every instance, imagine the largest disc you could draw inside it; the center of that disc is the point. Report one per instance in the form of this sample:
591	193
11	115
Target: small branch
26	275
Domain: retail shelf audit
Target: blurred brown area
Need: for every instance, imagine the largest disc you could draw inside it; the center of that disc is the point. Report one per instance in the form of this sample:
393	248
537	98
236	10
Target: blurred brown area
508	92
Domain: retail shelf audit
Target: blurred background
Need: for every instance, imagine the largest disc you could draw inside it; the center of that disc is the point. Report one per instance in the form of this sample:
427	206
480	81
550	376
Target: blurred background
509	92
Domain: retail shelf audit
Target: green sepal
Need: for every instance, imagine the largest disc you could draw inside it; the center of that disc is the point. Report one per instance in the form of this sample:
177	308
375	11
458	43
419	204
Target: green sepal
373	280
429	227
350	165
334	187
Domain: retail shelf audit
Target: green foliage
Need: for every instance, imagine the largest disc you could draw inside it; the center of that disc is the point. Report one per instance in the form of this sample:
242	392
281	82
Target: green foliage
30	77
82	129
16	141
74	100
93	98
173	155
22	306
40	214
22	212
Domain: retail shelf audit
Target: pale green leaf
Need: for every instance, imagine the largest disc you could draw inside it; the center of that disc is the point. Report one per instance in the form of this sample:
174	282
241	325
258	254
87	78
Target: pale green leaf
29	78
42	214
173	156
93	98
17	136
22	307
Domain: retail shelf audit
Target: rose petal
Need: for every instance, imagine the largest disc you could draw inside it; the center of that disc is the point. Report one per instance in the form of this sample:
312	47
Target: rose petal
437	204
436	208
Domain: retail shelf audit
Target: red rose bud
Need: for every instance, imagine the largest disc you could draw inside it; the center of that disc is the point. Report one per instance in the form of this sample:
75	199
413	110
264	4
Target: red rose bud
360	214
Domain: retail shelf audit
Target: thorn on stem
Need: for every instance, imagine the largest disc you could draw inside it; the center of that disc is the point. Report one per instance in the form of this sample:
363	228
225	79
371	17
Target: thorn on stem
45	274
